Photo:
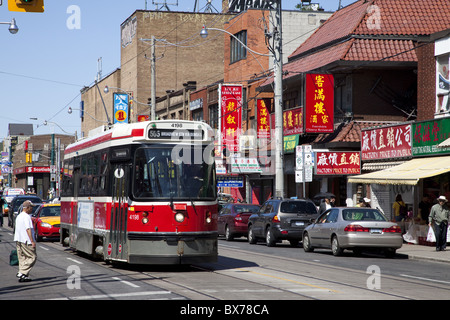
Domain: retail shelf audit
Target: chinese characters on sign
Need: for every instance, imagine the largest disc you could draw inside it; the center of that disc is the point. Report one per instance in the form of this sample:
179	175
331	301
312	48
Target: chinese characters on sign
319	111
331	163
231	115
427	135
263	118
386	143
120	108
293	121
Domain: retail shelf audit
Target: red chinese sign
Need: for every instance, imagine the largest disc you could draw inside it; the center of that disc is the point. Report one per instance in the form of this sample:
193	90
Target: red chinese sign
293	121
231	115
337	163
319	111
386	143
263	118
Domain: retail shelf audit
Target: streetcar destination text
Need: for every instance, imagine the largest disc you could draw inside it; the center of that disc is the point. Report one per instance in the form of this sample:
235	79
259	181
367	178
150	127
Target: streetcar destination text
175	134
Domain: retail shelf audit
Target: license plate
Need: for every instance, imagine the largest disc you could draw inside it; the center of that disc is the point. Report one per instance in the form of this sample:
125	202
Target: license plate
298	223
376	231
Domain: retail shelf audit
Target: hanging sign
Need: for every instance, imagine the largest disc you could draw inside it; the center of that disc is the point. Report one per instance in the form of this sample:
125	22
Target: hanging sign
338	163
319	104
231	115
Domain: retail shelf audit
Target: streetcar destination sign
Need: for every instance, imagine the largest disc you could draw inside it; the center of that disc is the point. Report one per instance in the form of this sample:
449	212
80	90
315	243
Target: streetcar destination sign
175	134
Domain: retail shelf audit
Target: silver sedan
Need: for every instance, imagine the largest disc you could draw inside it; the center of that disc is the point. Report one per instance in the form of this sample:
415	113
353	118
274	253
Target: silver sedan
353	228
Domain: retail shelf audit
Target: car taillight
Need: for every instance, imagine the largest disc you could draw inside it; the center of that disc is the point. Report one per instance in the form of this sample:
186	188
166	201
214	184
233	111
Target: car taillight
238	218
276	219
393	229
356	228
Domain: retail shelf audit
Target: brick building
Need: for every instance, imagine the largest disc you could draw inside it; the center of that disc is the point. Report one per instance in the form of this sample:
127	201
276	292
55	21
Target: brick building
181	57
372	49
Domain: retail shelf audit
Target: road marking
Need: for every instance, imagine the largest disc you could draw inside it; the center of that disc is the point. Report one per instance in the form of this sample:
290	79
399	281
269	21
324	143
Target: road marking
126	282
76	261
426	279
114	295
47	249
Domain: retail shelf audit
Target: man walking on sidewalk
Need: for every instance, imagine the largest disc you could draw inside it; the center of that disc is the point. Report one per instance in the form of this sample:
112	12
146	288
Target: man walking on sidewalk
26	246
438	219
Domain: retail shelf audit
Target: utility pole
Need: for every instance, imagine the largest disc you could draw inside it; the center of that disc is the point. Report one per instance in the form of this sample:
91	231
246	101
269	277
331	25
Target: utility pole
153	81
278	103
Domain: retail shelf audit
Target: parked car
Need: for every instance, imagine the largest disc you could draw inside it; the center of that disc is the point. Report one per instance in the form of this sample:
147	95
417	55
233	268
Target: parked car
280	219
233	219
47	221
353	228
13	208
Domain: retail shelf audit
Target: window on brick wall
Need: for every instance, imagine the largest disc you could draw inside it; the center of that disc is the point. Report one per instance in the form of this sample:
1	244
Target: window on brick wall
237	50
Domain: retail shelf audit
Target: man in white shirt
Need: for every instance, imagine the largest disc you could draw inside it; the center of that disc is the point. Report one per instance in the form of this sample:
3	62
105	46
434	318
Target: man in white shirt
26	246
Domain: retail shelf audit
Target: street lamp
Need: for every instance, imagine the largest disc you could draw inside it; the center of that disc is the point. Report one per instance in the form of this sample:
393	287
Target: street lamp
13	28
278	94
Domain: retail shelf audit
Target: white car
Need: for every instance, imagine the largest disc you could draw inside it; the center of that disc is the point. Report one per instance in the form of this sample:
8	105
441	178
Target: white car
353	228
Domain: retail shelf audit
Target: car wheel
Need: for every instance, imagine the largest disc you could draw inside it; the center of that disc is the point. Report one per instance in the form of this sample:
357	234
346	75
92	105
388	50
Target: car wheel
307	243
335	247
228	234
251	235
270	239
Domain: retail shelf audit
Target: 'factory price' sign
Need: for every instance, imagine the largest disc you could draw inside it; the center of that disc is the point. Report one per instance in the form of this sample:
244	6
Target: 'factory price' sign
386	143
338	163
319	104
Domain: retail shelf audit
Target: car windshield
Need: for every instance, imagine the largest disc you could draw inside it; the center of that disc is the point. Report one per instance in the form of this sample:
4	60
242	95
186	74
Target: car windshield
363	215
298	207
50	211
158	176
18	202
242	208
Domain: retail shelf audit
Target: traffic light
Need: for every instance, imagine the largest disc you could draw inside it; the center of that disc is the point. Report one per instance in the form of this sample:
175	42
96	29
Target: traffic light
26	5
28	157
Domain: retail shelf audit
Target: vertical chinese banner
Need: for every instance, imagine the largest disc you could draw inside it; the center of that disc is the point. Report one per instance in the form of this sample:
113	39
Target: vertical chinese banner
293	121
263	118
231	115
319	104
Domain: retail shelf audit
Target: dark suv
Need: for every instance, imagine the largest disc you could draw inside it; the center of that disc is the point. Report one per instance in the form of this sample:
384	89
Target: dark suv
281	219
15	204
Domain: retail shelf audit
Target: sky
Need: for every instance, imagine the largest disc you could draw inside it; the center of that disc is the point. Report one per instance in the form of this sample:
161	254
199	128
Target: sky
55	54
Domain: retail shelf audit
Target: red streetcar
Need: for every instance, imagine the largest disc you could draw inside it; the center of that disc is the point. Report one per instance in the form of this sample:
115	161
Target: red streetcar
142	193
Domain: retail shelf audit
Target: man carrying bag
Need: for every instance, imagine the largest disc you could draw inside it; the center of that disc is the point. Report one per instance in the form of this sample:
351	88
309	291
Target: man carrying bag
26	246
438	219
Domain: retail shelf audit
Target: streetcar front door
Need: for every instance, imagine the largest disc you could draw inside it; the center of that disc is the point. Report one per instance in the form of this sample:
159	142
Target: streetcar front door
118	245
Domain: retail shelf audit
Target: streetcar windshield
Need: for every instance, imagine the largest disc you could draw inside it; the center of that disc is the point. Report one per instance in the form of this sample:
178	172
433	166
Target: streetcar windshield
157	175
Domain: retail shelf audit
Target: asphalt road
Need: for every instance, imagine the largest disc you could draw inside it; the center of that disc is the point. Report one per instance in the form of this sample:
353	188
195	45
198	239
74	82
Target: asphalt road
254	273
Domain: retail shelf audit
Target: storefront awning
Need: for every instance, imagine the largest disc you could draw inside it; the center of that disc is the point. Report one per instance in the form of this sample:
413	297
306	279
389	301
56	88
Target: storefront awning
444	144
408	173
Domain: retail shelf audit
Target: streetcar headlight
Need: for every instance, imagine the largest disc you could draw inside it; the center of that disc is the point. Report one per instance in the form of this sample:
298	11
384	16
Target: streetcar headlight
208	217
144	217
179	217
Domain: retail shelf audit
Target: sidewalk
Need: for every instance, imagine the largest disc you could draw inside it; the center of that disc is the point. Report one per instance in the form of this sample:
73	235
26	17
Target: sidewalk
420	252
